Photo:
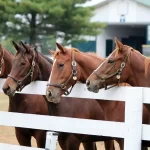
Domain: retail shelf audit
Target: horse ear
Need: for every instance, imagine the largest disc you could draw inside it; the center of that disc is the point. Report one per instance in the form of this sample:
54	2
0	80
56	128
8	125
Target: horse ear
1	47
61	47
35	48
119	45
17	47
51	52
24	45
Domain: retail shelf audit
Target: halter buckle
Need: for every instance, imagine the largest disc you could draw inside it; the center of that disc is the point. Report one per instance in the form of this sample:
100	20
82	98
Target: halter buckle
19	82
31	73
63	86
74	72
102	80
2	61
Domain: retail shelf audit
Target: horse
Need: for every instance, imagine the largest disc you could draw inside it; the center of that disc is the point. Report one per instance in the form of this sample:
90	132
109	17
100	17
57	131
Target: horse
23	103
124	64
71	65
28	60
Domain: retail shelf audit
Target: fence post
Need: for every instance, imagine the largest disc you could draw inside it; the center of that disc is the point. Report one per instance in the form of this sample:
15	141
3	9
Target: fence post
51	140
133	120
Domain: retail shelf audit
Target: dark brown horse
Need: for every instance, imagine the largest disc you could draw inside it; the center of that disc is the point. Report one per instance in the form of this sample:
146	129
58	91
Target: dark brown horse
23	103
70	66
28	60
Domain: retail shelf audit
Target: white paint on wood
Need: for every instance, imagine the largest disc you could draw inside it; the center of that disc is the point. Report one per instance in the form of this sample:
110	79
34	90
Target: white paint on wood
80	91
65	124
51	140
133	121
131	129
146	132
146	95
16	147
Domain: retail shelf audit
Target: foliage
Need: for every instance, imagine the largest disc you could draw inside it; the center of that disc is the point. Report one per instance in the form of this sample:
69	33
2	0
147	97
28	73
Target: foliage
33	19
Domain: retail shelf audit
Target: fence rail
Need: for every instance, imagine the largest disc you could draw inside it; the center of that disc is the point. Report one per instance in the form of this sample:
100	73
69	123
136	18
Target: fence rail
131	130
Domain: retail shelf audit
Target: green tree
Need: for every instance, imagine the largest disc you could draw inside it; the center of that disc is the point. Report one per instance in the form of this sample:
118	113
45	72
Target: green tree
35	19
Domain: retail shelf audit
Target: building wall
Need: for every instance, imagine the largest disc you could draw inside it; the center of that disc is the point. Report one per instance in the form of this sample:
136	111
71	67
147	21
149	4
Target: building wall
142	14
101	15
111	12
116	31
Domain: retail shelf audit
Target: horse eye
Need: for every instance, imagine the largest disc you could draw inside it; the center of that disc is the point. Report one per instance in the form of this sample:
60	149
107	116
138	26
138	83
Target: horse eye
110	61
61	65
23	63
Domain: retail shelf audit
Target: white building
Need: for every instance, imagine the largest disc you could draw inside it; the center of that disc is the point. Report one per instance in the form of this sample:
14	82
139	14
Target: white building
127	20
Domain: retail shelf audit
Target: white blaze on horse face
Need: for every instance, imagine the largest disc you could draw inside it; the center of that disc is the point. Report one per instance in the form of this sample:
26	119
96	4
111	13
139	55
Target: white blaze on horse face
52	71
103	63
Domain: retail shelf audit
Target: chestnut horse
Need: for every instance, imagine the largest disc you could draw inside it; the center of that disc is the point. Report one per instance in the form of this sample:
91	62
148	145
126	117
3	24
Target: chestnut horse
124	64
27	60
71	65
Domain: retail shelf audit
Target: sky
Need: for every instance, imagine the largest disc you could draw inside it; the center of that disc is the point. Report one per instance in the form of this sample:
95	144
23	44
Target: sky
93	2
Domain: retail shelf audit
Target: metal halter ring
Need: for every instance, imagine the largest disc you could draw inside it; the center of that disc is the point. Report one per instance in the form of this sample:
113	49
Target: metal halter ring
33	63
123	64
74	63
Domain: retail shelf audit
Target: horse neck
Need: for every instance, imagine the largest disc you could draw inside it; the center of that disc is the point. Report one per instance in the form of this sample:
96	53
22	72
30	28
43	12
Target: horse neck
87	63
44	67
7	62
109	107
138	77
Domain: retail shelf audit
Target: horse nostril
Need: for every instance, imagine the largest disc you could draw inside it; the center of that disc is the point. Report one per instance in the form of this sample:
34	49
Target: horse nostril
5	89
88	83
49	93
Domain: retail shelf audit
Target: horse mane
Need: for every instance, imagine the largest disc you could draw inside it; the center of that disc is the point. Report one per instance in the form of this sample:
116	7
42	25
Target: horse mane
78	51
146	59
47	58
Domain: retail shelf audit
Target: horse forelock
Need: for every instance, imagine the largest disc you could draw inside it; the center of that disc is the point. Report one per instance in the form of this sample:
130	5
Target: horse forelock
57	52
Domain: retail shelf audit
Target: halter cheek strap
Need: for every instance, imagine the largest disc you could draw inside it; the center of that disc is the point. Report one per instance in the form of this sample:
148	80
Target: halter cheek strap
73	76
30	73
118	74
2	61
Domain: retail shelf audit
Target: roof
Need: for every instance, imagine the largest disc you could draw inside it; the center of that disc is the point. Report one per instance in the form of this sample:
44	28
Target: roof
143	2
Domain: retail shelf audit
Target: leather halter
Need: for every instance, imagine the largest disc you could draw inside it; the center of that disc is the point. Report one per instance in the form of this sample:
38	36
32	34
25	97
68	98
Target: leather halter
30	73
73	76
118	74
2	61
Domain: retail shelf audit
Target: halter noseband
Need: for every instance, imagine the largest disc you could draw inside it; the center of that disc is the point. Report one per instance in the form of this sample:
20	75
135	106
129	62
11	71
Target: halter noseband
30	73
118	74
73	76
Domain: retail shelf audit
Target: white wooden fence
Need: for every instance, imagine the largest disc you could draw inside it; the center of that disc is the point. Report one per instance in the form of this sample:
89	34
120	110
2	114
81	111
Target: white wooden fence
131	130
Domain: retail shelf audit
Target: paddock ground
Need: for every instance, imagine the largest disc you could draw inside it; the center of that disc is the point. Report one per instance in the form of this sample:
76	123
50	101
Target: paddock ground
7	134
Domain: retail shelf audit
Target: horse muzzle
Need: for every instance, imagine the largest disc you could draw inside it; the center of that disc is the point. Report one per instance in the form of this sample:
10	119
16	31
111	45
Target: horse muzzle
51	97
93	87
8	91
